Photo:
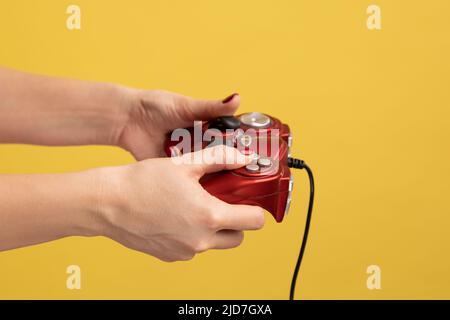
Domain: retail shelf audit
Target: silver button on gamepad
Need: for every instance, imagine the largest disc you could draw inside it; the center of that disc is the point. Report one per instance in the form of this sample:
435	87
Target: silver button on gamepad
255	120
264	162
252	167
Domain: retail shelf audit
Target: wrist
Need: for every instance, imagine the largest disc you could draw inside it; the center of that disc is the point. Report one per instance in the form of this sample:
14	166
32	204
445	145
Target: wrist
84	218
113	113
131	113
104	203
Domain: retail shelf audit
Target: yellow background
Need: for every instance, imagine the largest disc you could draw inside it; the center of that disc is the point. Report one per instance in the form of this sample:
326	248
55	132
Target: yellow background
369	111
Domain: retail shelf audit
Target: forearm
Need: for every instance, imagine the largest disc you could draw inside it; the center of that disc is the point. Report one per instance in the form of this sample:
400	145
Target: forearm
52	111
40	208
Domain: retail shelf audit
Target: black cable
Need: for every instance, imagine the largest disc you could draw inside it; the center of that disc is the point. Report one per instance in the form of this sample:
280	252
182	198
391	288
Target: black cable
300	164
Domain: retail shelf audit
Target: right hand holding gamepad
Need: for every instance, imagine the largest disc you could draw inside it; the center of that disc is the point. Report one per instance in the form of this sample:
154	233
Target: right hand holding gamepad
159	208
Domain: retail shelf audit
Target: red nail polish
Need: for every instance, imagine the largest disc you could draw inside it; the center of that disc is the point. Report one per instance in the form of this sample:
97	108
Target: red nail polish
229	98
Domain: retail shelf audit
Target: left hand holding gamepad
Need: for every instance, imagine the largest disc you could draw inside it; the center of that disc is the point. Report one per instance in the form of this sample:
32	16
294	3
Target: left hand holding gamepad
51	111
152	114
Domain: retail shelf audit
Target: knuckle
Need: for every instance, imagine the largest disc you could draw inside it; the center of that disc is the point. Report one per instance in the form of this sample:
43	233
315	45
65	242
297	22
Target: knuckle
220	153
213	220
201	246
216	221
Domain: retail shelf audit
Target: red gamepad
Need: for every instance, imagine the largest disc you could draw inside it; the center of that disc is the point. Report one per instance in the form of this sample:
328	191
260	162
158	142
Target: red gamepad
266	182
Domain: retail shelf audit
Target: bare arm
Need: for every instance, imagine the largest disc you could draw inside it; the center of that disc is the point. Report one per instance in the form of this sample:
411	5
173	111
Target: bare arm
37	208
43	110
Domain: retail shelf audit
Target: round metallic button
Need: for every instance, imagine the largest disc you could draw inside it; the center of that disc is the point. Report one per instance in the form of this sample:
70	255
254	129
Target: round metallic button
252	167
264	162
255	120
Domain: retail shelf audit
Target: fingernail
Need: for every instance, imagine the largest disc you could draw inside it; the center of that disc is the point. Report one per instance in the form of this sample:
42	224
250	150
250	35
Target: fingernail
229	98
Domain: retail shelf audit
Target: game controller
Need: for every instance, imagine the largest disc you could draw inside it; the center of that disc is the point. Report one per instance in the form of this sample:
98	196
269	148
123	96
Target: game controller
267	181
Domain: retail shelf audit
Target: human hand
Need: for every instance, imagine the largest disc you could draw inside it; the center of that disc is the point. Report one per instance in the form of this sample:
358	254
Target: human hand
152	114
90	113
159	207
